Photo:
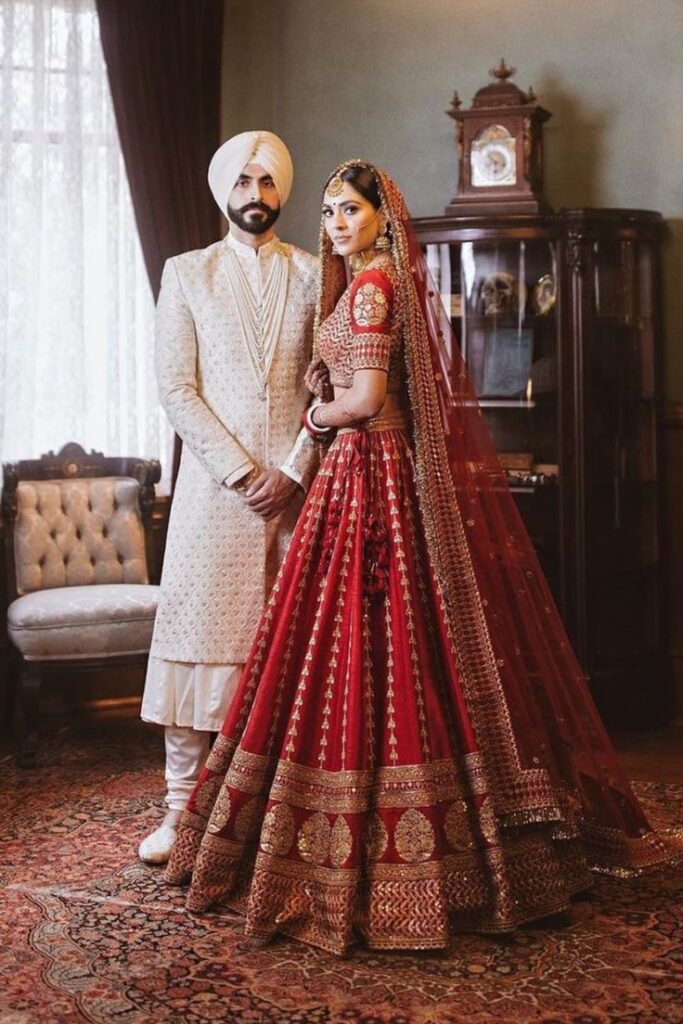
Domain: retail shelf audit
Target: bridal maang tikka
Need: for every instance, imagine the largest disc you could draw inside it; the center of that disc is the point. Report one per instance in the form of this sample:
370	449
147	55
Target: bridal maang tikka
334	186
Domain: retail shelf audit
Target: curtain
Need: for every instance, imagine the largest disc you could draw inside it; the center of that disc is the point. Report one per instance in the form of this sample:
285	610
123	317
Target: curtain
164	60
76	308
164	63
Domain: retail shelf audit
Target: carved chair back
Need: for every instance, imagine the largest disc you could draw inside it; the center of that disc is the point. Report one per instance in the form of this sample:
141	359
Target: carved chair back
75	518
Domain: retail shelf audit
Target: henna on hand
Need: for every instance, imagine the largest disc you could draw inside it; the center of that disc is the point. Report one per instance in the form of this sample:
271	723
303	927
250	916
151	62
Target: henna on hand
329	414
317	378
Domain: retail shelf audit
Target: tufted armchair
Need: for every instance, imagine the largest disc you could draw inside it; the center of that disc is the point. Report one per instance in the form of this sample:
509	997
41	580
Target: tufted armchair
76	556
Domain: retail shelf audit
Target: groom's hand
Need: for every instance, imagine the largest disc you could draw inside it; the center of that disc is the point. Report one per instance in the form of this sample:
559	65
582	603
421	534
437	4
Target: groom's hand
270	493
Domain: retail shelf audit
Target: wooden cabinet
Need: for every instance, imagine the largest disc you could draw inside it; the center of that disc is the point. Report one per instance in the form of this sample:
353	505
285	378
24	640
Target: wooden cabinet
558	318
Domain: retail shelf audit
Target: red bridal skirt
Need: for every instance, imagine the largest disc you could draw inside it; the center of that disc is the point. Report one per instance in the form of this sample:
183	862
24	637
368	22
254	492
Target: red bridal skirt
344	797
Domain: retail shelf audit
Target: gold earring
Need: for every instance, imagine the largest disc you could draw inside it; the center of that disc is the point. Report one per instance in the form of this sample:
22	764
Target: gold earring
383	242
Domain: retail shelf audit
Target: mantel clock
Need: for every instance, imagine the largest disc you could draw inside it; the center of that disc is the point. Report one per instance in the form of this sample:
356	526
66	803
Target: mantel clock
500	149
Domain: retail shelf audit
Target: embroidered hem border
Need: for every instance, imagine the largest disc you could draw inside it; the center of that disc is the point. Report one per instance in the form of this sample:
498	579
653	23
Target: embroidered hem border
517	875
388	906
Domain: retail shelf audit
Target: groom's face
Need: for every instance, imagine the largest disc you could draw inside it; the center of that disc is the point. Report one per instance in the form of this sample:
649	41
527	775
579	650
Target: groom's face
254	203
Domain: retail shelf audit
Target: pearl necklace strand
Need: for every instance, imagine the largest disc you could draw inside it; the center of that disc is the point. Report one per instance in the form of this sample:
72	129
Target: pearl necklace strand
260	316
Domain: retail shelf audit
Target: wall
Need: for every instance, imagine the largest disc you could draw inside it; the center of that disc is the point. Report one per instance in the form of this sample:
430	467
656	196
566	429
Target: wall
373	78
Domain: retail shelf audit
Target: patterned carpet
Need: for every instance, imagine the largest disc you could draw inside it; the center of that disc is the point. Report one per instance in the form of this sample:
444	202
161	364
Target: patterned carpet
89	934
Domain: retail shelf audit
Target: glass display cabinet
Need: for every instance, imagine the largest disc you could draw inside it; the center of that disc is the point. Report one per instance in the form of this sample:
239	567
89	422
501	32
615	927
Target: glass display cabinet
558	319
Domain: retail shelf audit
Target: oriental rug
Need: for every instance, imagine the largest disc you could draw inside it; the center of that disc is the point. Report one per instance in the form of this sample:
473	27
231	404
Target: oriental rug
87	933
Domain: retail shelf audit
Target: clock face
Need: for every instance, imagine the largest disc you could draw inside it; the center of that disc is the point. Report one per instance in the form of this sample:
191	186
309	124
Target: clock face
493	158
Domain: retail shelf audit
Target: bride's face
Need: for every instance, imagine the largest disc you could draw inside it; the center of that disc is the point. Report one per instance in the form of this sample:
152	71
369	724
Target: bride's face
351	221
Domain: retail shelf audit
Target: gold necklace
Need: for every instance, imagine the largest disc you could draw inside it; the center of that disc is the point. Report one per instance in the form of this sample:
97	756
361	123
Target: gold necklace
360	260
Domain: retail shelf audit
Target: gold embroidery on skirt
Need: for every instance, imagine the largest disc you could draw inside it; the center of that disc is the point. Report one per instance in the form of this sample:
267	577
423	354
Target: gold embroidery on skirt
277	834
403	898
347	792
221	811
376	838
205	796
341	843
248	771
314	838
414	836
457	826
246	818
487	821
308	871
221	754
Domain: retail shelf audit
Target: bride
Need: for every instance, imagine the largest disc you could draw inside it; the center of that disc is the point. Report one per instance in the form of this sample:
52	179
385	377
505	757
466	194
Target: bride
412	750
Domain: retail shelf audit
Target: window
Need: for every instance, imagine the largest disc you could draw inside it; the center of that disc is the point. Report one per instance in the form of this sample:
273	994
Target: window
76	308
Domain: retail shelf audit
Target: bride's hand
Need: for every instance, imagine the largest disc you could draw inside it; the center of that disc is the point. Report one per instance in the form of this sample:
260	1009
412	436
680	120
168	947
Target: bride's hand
317	378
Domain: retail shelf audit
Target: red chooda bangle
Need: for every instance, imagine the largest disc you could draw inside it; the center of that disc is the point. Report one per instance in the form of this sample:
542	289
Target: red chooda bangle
313	429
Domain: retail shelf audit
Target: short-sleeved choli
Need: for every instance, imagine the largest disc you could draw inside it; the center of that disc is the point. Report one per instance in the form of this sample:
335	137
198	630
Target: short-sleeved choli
364	331
371	300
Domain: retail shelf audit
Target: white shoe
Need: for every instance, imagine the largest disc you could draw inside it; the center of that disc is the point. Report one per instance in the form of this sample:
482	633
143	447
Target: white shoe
156	847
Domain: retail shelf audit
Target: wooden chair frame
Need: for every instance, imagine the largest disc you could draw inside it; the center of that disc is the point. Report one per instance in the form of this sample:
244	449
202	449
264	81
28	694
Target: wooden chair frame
70	463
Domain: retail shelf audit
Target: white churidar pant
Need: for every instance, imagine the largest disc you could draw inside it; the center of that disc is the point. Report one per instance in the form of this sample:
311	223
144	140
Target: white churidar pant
186	752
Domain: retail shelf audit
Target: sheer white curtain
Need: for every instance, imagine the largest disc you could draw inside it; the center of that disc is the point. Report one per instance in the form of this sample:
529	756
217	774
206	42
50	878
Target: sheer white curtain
76	308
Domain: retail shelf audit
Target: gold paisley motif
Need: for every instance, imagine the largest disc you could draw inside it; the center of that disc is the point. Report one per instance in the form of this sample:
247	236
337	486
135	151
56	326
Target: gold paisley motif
246	818
376	838
487	821
414	836
277	833
370	306
220	814
314	838
341	843
205	797
457	826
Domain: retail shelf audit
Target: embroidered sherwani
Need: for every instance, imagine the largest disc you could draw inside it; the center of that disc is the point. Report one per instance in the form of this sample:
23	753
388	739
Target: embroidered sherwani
221	557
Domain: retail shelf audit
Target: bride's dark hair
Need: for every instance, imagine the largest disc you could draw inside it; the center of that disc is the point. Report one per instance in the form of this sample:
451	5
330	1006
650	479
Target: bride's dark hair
363	180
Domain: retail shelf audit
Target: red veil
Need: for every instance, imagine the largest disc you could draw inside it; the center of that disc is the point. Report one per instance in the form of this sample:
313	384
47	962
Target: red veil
544	754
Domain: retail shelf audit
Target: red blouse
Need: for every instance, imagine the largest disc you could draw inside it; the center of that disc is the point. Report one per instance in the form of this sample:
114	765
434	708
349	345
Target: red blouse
364	331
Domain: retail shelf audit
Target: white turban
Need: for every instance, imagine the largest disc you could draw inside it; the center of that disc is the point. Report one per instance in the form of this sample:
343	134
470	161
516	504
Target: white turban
263	148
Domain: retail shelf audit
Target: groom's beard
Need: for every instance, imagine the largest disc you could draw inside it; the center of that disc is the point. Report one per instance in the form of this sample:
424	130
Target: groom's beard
254	225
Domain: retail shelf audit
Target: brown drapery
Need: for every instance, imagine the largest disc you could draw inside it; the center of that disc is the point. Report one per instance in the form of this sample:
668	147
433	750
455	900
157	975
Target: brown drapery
164	66
163	62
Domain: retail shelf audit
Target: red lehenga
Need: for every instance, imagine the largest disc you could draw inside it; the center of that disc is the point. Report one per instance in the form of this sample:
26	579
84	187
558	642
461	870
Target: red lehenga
413	750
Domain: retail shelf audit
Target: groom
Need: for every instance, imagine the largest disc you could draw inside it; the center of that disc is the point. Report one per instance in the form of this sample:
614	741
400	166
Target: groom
233	340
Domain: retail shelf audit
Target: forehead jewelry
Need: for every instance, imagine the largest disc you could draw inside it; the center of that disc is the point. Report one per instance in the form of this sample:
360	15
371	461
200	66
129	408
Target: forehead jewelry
334	186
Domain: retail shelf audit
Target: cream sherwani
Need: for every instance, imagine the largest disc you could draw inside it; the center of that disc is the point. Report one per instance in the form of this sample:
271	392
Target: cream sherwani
221	558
